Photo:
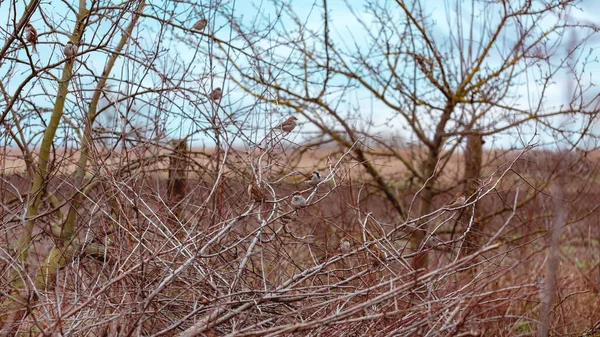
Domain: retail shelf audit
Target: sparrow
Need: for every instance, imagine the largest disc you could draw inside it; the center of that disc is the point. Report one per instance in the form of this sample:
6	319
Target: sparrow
288	125
314	179
298	201
432	241
216	94
70	49
425	64
458	200
344	245
375	257
255	192
31	36
200	24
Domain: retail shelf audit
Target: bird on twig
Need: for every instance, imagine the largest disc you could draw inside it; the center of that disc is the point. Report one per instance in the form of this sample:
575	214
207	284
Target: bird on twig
70	49
200	24
298	201
314	179
31	36
216	94
288	125
375	257
458	200
432	241
345	245
255	192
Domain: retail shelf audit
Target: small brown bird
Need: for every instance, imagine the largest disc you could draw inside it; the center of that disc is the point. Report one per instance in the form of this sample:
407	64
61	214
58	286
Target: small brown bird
200	24
424	64
298	201
375	257
216	94
432	241
458	200
31	36
288	125
344	245
70	49
314	179
255	192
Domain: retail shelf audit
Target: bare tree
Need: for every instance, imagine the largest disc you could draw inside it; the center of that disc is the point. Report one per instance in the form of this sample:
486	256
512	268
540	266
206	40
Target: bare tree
489	69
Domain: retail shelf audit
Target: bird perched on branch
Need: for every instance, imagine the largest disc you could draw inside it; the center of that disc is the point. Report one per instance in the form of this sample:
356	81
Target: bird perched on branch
216	94
314	179
288	125
31	36
298	201
344	245
200	24
425	64
70	49
255	192
458	200
375	257
432	241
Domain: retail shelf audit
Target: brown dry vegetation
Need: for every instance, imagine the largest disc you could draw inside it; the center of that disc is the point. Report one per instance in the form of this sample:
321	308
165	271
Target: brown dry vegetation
370	291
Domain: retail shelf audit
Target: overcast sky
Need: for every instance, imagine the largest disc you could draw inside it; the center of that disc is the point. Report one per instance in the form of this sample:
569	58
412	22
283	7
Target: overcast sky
344	28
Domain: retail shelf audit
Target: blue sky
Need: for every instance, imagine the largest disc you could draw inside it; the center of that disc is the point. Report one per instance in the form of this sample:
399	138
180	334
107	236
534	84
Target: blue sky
345	29
174	54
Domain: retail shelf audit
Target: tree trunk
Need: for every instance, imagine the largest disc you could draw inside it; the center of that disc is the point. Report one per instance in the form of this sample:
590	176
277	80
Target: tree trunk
429	178
473	163
177	168
420	260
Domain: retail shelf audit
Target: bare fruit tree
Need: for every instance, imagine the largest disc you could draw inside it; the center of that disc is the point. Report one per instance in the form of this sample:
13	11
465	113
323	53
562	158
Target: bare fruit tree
424	82
275	168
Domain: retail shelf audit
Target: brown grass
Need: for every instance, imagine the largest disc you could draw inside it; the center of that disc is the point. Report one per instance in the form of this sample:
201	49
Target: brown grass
295	257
